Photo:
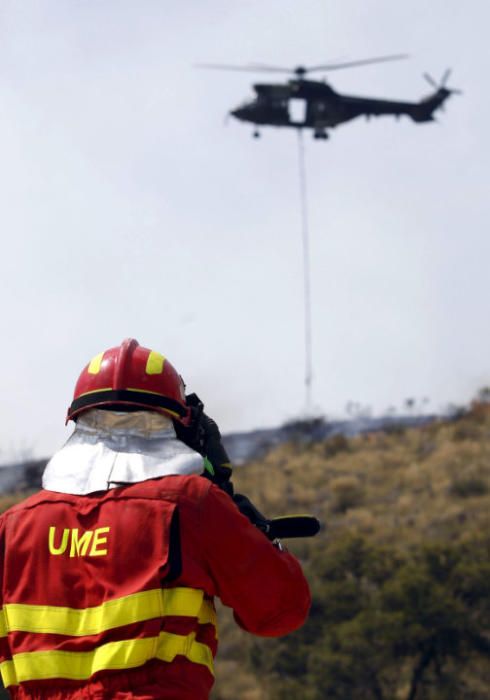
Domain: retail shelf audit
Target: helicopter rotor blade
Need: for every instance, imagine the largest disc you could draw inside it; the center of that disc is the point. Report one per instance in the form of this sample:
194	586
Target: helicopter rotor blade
362	62
431	81
445	77
272	69
247	69
300	70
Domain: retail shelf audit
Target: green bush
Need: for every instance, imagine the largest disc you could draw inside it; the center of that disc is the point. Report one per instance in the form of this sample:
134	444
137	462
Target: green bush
468	486
386	625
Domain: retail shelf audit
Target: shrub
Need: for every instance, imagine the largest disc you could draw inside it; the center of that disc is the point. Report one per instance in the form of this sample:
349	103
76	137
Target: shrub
335	444
465	431
467	486
347	492
395	429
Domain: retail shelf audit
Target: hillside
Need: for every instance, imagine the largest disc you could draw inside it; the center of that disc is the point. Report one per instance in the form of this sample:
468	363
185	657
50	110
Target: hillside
406	496
400	570
395	485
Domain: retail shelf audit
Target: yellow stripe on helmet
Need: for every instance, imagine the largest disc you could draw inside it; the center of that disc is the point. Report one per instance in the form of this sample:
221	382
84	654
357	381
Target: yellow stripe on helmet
95	364
154	363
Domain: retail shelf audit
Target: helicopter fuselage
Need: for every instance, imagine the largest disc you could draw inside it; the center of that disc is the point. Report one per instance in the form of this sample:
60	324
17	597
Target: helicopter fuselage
324	107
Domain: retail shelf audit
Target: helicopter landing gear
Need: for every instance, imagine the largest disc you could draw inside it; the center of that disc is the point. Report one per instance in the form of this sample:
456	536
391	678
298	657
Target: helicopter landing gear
256	134
320	134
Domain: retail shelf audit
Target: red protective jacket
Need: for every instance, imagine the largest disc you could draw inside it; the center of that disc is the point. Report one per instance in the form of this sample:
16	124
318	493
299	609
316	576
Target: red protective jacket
111	594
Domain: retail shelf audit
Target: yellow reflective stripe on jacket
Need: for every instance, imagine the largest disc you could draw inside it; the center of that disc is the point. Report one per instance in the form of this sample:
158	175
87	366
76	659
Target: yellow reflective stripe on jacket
3	626
72	665
137	607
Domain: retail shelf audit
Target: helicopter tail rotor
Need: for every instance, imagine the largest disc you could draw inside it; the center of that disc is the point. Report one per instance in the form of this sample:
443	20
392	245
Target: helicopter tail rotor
445	76
442	84
431	81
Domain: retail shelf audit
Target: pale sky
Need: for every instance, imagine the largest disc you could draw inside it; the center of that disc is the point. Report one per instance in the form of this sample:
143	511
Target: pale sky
128	209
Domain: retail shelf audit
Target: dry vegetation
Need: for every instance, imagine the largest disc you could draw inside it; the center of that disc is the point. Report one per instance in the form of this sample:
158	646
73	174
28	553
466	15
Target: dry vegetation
398	488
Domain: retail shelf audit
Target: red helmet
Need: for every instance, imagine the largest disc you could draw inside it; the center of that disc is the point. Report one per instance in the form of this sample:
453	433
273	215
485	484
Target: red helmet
130	375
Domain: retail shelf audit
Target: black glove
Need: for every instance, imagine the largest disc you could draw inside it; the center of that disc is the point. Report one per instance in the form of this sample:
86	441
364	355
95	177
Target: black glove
192	435
203	435
276	528
216	456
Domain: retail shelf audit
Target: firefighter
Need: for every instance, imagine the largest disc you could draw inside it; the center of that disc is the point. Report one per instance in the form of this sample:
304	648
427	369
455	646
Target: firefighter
109	573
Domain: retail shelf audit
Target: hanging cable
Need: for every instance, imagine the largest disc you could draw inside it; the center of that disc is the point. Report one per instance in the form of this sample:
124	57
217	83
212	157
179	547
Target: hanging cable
306	274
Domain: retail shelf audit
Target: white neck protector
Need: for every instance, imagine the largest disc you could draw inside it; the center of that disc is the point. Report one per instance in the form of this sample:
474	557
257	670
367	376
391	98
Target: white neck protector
110	448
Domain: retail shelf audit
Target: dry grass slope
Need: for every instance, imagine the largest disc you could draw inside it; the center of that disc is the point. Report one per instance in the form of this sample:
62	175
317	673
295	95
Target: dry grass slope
401	488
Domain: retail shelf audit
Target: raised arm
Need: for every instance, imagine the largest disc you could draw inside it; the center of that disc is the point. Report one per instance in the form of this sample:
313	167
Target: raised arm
265	586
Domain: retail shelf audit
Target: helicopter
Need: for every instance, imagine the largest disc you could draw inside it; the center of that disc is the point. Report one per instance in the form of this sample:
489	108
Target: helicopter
324	108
